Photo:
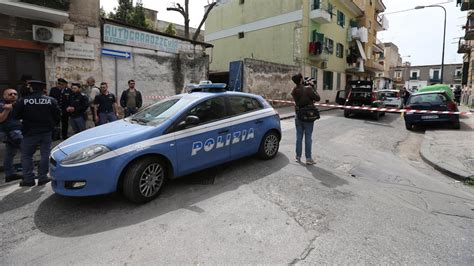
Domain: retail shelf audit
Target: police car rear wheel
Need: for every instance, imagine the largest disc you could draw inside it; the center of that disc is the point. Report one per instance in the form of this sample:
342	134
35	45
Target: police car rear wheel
269	146
144	179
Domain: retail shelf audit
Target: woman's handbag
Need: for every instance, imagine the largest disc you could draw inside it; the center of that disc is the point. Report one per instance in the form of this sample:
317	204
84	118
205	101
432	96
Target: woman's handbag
307	113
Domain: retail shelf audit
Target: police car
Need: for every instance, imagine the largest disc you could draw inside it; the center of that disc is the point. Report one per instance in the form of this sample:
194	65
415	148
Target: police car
177	136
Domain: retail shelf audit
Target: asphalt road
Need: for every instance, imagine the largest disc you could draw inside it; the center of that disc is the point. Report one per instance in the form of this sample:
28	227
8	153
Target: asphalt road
370	199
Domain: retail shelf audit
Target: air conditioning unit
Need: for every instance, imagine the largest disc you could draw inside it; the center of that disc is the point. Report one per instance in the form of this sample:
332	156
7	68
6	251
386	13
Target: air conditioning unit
48	34
324	64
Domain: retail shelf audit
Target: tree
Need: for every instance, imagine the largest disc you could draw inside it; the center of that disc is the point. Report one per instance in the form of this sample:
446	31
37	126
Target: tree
133	15
184	11
170	29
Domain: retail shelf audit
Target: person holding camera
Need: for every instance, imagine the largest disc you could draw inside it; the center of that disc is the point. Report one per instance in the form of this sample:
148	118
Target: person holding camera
10	128
304	96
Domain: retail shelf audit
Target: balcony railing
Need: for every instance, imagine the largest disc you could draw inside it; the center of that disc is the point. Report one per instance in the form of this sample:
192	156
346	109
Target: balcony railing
55	4
457	77
463	46
318	52
382	23
469	28
320	12
414	78
465	4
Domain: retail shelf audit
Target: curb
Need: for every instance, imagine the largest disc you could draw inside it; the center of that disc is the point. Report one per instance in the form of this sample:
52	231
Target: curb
444	169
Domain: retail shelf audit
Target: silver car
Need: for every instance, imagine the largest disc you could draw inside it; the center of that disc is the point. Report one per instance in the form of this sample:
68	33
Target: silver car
390	98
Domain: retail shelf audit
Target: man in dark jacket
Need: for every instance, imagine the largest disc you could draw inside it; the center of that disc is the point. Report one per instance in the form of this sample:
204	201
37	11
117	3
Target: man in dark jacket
304	96
61	93
10	128
39	114
131	99
78	104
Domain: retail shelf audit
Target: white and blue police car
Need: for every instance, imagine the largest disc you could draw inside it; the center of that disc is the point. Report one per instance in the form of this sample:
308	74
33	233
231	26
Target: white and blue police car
171	138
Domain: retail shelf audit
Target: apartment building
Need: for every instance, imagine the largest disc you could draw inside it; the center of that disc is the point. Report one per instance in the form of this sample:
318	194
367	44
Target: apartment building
466	47
309	34
415	77
391	58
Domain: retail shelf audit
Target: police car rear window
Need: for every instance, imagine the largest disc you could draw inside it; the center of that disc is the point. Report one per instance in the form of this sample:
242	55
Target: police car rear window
161	111
240	105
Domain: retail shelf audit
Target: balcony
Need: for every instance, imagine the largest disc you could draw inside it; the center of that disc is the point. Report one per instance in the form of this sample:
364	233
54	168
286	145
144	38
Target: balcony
382	23
36	11
58	4
463	46
465	4
414	78
435	80
469	28
457	77
316	53
319	13
374	66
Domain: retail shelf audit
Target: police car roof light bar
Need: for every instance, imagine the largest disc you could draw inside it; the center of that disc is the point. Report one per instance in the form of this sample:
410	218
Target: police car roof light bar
207	87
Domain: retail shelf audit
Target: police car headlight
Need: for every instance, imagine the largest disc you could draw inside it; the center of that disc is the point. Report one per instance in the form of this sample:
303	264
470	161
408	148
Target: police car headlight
85	154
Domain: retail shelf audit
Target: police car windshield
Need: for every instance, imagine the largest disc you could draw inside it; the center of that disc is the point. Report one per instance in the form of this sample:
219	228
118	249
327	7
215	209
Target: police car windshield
157	113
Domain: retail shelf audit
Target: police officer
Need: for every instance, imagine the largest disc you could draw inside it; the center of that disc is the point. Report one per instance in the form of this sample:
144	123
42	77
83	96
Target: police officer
40	114
62	93
77	107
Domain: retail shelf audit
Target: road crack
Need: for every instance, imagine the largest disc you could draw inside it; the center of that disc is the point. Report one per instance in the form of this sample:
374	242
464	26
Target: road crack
453	215
306	252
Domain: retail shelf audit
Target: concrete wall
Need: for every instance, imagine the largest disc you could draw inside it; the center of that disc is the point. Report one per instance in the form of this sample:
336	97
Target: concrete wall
155	73
268	79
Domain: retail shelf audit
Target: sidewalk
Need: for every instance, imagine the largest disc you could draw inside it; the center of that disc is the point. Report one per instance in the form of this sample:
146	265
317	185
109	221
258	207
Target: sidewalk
451	151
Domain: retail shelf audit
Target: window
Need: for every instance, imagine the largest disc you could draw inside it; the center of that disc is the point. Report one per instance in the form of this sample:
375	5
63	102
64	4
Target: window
210	110
314	73
330	9
317	37
329	44
398	74
341	19
340	50
240	105
327	80
414	74
241	35
435	74
338	86
241	2
458	73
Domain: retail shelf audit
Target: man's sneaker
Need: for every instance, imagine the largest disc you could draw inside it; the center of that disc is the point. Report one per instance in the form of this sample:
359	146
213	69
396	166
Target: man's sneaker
12	178
27	183
310	162
298	159
44	181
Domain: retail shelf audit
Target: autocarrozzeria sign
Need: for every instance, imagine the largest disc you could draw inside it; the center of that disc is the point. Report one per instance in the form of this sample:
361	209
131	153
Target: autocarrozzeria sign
137	38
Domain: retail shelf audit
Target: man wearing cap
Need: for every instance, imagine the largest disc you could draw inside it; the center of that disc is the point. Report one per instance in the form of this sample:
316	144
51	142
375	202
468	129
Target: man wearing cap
62	93
39	114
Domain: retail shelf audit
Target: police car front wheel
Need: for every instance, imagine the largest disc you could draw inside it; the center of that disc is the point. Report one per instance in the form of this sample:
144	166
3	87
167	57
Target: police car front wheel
144	179
269	146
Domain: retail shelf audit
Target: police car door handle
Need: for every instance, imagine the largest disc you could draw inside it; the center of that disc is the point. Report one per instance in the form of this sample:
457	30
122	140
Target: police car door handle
223	131
258	121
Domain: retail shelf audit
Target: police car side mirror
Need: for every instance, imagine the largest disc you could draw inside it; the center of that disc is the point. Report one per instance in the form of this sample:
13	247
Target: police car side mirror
190	121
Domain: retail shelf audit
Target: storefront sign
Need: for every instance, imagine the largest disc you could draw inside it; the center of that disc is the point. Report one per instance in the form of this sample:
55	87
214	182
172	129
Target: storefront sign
79	50
136	38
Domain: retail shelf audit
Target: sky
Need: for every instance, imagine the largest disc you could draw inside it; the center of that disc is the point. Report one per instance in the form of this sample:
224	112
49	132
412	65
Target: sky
417	33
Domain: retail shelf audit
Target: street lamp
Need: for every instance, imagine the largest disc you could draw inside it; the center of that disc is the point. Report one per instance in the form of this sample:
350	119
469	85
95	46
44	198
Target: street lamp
444	37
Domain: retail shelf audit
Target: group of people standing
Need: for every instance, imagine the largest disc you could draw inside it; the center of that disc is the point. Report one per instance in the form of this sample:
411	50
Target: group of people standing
30	120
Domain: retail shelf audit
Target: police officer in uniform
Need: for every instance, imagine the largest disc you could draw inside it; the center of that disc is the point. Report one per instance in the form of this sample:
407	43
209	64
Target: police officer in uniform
77	107
62	93
40	114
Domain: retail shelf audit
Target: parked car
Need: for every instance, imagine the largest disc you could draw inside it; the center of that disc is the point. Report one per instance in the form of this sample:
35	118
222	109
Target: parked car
390	98
172	138
363	95
431	100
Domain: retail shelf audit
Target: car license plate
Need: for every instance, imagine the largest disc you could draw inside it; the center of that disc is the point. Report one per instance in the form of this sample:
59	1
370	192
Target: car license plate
429	117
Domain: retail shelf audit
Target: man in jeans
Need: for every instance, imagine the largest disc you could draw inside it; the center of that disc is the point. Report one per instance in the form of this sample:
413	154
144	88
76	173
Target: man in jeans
10	132
40	114
303	96
105	105
131	99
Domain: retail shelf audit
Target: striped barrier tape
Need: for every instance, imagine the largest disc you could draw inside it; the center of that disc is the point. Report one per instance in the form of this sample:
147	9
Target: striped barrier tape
388	110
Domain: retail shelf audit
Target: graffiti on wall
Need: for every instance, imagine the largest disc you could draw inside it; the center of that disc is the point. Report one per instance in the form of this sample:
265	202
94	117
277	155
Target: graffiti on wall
75	73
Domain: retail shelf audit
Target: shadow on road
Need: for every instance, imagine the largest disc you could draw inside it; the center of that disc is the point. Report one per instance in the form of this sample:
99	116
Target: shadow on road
71	217
327	178
19	198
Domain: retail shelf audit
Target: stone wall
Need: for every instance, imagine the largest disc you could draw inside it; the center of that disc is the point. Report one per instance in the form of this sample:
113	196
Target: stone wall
268	79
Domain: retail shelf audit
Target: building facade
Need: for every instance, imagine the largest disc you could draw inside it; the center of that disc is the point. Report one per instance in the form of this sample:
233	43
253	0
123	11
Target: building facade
312	35
391	58
48	40
466	47
415	77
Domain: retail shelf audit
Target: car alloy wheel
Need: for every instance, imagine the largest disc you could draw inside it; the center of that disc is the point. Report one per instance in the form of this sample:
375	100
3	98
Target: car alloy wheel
151	180
271	145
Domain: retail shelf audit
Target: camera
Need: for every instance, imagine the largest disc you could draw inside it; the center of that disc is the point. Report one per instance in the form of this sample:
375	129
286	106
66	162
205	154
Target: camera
308	81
